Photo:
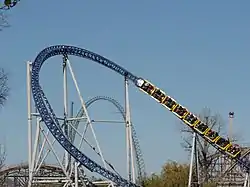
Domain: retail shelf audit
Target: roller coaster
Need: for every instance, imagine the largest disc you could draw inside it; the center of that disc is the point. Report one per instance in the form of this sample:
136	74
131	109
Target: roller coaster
138	153
19	174
48	116
136	145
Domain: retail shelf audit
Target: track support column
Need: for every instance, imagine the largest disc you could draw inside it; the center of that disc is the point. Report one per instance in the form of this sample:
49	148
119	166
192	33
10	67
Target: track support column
230	128
129	141
74	164
197	162
29	109
65	102
246	182
192	161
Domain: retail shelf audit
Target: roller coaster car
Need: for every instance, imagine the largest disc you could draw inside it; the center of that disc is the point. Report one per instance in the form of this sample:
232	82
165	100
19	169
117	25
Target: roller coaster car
223	143
148	87
180	111
201	127
170	103
234	151
191	119
159	95
211	135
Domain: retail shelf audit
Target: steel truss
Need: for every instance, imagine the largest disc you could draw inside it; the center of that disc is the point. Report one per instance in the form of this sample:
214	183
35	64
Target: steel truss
228	173
141	170
222	171
19	174
43	146
69	167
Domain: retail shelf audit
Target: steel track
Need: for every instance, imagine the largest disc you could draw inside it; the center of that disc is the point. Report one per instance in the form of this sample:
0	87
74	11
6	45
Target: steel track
49	117
138	153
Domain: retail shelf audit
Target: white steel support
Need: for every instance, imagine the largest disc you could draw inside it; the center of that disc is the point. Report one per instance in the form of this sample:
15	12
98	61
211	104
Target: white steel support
52	149
35	156
230	128
192	161
70	121
88	120
246	182
29	109
197	161
38	120
65	109
86	113
41	151
75	166
129	141
76	174
37	161
43	145
230	138
41	158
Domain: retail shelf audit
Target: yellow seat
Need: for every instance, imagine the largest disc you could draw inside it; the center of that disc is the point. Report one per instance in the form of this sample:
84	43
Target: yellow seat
217	142
209	138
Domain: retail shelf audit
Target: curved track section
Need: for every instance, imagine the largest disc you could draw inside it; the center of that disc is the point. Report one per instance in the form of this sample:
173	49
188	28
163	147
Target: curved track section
49	117
21	173
138	153
26	166
17	175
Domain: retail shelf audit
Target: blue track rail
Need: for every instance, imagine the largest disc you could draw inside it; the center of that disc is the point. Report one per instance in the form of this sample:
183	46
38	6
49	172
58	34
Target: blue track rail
49	117
141	171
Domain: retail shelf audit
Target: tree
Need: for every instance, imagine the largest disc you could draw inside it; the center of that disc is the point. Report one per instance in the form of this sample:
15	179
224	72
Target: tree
206	154
2	160
154	181
2	157
175	174
3	20
4	89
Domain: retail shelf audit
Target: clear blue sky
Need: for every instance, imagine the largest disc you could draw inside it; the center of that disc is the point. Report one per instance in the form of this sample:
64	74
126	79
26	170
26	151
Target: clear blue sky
198	52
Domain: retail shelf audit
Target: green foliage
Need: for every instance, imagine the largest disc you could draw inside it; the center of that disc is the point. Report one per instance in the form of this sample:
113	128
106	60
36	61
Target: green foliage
173	174
153	181
210	185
